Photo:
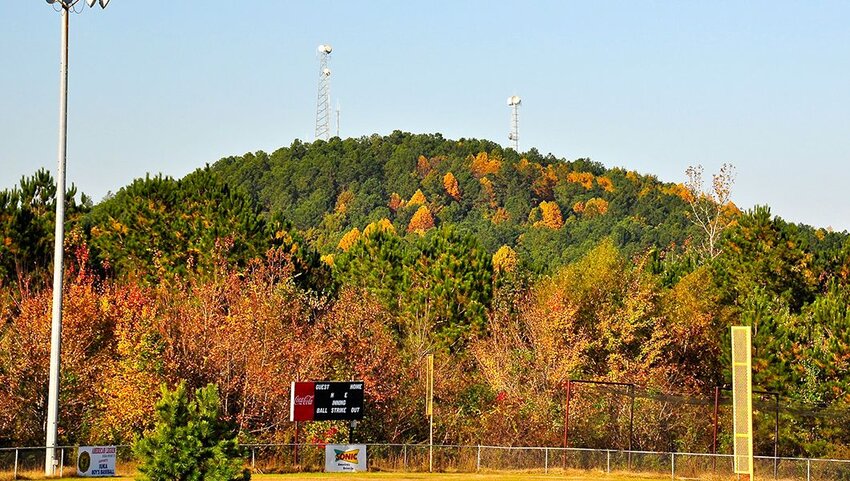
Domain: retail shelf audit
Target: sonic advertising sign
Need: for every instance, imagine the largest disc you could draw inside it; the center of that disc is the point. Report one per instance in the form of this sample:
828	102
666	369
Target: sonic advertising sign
326	401
345	458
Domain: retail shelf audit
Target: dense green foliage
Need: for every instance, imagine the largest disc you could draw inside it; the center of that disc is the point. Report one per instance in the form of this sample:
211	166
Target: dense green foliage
190	441
441	284
159	228
27	222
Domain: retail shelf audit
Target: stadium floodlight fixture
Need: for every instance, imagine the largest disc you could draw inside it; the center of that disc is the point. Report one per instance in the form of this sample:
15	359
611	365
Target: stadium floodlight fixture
52	426
71	3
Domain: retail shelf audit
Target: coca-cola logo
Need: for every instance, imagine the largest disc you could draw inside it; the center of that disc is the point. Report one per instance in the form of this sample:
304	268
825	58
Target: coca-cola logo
304	400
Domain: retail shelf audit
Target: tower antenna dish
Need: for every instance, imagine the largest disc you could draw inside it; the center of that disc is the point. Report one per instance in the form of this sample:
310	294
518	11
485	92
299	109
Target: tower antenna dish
323	101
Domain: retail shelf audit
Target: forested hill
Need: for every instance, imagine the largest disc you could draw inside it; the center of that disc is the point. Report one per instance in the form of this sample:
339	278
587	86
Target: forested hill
549	210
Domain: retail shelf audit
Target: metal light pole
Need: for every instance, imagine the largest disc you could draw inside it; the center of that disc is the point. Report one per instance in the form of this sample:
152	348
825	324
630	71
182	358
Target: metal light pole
51	461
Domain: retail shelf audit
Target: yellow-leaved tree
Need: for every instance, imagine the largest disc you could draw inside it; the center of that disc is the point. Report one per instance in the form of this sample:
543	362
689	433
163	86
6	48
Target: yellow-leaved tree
383	225
501	215
605	183
550	215
595	207
451	186
349	239
483	164
421	221
343	201
583	178
423	167
418	198
488	192
505	259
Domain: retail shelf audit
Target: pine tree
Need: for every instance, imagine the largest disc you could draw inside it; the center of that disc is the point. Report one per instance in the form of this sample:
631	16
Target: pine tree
190	441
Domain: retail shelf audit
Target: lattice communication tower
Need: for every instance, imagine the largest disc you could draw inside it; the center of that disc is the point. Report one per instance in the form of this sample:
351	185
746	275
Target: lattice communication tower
514	102
323	102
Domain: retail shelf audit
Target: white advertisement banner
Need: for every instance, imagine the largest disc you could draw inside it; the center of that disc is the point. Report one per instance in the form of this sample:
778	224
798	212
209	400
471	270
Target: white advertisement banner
345	458
95	461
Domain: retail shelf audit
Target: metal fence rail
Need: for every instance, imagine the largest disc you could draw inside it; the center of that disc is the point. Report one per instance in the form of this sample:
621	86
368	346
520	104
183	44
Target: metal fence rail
28	462
549	460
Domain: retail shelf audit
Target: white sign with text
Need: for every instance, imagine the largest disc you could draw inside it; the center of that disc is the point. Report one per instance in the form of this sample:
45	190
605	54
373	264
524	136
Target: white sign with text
96	461
345	458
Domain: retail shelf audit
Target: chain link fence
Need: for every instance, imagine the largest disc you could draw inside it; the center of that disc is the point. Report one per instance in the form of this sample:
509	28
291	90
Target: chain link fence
28	462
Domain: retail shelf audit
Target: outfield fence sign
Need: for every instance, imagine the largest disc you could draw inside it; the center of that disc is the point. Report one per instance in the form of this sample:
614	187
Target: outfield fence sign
96	461
345	458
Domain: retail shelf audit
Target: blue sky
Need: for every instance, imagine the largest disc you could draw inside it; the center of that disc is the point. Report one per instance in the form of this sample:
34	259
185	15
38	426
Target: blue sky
159	86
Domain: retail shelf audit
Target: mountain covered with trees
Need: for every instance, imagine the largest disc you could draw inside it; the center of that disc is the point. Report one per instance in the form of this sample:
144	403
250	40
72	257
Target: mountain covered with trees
356	258
550	211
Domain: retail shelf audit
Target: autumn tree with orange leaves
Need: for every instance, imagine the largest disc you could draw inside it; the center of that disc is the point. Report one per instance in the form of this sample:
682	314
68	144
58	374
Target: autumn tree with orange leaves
451	186
550	215
421	221
349	239
396	202
483	164
418	198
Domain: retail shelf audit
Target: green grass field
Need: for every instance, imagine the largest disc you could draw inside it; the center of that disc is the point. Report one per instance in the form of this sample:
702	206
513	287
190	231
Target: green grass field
569	476
578	476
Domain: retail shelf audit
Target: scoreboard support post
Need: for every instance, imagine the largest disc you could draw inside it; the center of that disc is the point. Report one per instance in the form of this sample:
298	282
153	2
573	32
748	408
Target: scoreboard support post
351	426
296	444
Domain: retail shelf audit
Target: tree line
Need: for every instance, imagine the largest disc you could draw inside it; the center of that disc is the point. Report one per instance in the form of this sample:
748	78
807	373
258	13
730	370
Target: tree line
356	258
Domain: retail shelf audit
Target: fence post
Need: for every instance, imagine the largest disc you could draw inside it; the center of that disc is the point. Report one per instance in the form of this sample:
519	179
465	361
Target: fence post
673	466
546	461
808	470
608	463
478	459
62	464
404	450
16	463
253	458
775	465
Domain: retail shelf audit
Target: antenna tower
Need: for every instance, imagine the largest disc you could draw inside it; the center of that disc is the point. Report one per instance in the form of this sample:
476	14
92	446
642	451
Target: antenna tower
323	103
514	102
337	118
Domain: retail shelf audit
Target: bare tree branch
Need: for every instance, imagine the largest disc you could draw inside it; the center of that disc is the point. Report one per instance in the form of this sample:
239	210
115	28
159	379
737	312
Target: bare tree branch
709	209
